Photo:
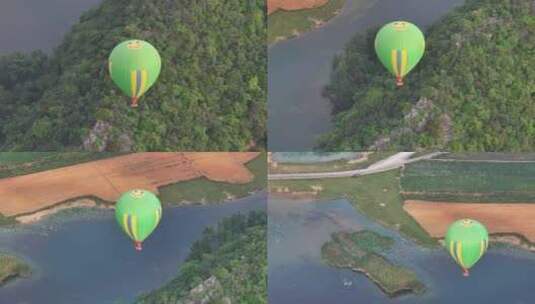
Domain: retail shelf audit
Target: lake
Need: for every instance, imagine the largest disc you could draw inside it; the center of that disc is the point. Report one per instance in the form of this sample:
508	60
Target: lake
27	25
312	157
298	228
300	68
85	258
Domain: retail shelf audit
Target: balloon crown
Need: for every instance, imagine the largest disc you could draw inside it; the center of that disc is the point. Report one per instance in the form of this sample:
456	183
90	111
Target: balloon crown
134	45
138	193
466	222
400	25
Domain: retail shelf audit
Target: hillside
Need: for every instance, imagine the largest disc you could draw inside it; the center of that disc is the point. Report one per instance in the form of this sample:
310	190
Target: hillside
211	94
228	265
474	90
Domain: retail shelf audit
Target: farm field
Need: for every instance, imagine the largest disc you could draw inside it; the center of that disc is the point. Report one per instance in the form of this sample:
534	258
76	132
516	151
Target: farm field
292	5
435	217
469	181
108	178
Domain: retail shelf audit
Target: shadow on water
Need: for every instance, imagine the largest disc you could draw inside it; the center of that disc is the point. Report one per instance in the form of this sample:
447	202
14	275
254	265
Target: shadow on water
299	68
27	25
86	259
298	229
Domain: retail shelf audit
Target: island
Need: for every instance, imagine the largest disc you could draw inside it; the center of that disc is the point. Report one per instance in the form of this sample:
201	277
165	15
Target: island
360	252
12	267
472	91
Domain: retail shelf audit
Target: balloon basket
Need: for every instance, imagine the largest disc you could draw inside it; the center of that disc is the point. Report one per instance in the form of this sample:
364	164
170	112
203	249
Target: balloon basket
138	246
466	273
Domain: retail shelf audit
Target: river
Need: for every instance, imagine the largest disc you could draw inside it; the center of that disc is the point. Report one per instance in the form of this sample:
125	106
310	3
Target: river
298	229
27	25
85	259
300	68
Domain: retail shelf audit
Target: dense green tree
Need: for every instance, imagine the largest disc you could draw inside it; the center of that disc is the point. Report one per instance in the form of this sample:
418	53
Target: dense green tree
473	91
211	94
235	254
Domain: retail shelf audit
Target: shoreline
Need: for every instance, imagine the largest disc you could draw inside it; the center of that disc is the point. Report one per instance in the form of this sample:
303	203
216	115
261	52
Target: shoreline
95	203
316	23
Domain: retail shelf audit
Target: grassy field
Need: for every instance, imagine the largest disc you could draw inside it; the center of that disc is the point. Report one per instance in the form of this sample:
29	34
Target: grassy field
12	267
204	190
338	165
21	163
469	181
376	195
285	24
489	156
361	251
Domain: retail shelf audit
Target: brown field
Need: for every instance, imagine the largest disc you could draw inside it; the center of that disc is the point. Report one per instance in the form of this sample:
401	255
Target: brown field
292	5
108	178
435	217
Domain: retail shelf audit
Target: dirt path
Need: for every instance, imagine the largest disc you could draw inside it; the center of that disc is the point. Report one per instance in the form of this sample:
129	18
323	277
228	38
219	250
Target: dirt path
292	5
109	178
435	217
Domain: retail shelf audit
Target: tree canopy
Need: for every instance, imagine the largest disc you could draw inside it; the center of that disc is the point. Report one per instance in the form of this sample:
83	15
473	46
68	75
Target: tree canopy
235	254
474	90
211	93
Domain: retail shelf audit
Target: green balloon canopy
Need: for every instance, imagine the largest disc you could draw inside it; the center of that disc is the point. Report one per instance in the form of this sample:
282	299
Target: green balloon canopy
467	241
138	213
134	66
400	45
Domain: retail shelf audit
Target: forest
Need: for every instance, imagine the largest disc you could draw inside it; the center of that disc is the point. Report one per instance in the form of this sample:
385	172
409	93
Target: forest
474	90
211	93
227	265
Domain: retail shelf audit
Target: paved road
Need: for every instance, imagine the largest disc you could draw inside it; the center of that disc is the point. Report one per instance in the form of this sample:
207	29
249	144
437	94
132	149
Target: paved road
395	161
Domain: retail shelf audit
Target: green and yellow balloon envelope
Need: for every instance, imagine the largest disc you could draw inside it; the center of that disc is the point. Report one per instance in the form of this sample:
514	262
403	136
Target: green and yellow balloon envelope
400	45
467	241
138	212
134	66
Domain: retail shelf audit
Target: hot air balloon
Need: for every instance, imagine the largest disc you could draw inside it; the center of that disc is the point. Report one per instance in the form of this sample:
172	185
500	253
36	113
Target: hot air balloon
399	45
138	212
467	241
134	66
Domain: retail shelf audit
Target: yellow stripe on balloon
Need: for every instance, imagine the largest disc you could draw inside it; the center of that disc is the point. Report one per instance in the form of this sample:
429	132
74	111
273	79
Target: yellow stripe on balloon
133	83
460	254
482	248
158	214
109	66
452	251
404	60
395	62
134	227
125	225
142	88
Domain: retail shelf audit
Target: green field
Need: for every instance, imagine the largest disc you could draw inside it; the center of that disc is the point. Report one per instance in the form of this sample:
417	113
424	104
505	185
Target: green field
376	196
285	24
204	190
469	181
337	165
12	267
361	251
21	163
489	156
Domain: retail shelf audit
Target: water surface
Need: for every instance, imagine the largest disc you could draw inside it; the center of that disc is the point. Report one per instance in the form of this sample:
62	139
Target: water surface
299	68
27	25
87	260
298	229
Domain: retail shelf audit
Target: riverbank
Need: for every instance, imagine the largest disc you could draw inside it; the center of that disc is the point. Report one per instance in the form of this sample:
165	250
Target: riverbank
11	268
284	24
361	252
376	195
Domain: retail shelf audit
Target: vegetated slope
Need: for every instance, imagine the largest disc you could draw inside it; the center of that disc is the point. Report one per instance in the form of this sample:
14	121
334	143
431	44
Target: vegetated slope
474	89
228	265
211	94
